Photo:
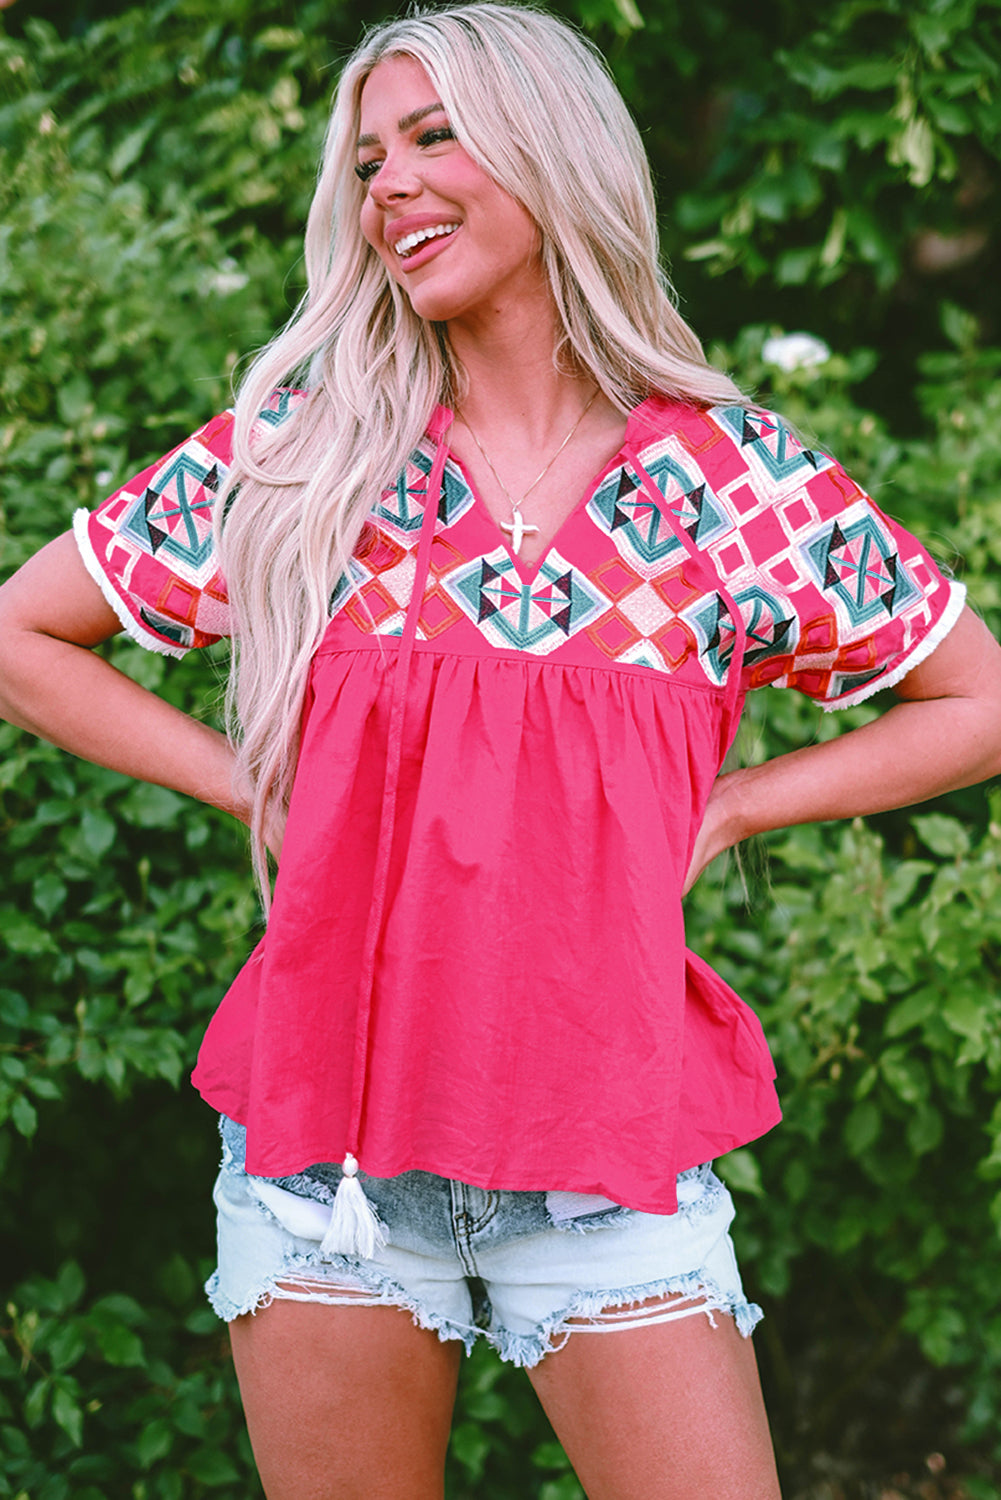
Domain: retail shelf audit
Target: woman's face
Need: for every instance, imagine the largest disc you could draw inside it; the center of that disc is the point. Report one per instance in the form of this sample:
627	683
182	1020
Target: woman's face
458	244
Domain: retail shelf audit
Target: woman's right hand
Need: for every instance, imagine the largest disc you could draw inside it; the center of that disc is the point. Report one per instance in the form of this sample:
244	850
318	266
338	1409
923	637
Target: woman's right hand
52	683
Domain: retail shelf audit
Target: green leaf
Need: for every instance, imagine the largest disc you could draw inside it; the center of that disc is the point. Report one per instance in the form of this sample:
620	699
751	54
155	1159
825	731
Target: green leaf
903	881
130	148
211	1467
470	1447
906	1076
914	148
67	1414
629	16
24	1116
925	1129
944	836
564	1488
44	1088
862	1127
152	806
125	1308
201	1322
911	1011
21	935
794	267
119	1345
940	1334
740	1171
13	1009
169	1485
706	250
37	1400
965	1015
66	1346
550	1456
97	831
49	893
74	399
71	1284
155	1442
177	1280
933	31
279	38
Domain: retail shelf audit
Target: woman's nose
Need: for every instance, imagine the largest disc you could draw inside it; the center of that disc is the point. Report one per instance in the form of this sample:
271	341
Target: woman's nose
395	180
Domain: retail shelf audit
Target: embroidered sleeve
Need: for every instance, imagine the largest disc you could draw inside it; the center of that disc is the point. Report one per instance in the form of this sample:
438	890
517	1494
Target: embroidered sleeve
838	600
150	546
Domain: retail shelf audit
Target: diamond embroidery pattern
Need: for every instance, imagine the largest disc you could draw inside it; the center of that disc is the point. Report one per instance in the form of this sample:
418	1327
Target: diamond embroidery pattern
857	562
767	442
714	631
632	519
174	514
536	616
771	628
402	506
699	511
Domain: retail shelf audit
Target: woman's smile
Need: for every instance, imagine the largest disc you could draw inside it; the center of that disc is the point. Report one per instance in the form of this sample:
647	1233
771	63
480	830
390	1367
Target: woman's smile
413	240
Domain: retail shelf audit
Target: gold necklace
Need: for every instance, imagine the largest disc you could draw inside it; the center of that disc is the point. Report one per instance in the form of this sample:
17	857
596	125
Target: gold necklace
517	527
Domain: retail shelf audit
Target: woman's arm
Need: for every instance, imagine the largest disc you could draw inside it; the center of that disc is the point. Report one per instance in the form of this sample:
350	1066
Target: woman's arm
51	613
945	734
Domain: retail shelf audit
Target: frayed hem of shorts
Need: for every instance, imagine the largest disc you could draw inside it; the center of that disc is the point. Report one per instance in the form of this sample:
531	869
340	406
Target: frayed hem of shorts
389	1293
604	1218
528	1349
708	1201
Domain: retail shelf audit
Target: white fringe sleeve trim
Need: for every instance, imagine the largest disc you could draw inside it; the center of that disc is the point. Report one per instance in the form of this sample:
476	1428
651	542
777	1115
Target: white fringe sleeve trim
914	657
128	622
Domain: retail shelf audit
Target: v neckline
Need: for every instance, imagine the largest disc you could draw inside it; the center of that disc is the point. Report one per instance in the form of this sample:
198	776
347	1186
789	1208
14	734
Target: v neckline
438	427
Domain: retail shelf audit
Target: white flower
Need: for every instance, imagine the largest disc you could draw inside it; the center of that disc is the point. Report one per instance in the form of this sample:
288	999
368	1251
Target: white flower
795	351
228	278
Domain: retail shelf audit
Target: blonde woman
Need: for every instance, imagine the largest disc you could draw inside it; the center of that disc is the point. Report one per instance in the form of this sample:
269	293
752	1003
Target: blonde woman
502	555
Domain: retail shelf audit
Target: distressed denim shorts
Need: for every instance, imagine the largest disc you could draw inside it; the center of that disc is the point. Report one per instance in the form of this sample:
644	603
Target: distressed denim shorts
522	1269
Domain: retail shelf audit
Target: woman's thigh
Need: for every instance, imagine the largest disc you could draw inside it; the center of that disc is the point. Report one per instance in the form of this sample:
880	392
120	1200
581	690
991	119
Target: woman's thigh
345	1403
668	1411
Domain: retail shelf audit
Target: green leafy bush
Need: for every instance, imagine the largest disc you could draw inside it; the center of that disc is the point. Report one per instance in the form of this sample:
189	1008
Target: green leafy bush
155	169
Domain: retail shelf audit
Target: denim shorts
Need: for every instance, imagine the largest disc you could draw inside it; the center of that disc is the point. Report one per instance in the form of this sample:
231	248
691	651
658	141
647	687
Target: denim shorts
523	1270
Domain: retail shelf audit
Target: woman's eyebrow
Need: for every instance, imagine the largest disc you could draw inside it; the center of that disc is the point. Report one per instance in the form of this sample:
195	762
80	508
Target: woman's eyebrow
406	123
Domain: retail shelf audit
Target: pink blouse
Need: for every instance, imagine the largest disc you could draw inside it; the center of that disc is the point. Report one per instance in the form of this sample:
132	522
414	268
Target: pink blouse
476	962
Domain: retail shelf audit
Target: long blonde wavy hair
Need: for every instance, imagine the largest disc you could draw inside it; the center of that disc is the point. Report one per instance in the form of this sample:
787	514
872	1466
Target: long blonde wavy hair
532	102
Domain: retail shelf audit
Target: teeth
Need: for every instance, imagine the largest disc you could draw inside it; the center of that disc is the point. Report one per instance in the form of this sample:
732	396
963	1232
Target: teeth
409	242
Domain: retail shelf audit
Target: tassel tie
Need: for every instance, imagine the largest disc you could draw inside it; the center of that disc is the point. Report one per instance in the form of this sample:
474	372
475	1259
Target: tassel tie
354	1227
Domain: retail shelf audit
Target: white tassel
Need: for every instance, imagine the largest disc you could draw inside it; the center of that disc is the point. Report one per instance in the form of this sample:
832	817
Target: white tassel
354	1228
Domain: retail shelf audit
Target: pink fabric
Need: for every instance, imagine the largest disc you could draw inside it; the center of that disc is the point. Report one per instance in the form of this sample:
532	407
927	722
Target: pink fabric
475	963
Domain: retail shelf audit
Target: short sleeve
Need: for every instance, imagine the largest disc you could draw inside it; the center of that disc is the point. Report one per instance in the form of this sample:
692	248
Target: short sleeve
150	546
838	600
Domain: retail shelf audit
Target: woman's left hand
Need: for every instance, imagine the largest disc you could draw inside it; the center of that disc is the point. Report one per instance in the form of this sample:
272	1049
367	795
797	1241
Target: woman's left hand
946	733
717	832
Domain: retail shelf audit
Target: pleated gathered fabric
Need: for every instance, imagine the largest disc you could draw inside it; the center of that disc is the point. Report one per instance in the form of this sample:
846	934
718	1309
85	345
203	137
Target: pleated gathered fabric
475	963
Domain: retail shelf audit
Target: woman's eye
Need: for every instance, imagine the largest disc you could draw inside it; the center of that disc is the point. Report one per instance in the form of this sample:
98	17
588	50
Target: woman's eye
435	135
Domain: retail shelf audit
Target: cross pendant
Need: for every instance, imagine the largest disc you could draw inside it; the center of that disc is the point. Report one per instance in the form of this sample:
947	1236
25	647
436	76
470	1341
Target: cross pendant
517	528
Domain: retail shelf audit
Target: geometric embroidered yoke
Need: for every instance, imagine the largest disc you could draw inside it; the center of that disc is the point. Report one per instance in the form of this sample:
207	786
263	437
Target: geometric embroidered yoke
475	963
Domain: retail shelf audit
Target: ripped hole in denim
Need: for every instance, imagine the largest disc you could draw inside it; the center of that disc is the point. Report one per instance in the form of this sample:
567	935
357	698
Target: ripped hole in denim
641	1314
307	1288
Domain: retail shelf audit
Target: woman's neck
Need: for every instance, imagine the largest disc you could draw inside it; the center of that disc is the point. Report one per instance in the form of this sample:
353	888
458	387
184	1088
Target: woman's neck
525	432
511	380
